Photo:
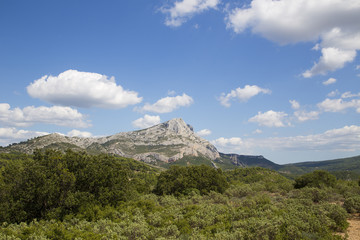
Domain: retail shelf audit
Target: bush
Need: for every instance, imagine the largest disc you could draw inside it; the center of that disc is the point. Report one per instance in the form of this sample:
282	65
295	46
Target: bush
352	204
318	179
182	180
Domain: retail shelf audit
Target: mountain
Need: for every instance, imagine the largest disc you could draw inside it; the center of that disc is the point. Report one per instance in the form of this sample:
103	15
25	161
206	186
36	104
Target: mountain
175	142
166	142
171	142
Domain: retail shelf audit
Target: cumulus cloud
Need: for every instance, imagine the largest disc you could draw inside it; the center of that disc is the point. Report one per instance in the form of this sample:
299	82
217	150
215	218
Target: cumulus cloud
57	115
203	132
329	81
233	145
339	105
243	94
341	139
82	89
270	119
303	116
331	22
146	121
12	135
183	10
168	104
77	133
331	60
294	104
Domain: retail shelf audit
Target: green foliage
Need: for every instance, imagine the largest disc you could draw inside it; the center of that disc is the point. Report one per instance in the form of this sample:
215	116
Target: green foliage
79	196
352	204
318	179
264	179
51	185
192	160
346	175
182	180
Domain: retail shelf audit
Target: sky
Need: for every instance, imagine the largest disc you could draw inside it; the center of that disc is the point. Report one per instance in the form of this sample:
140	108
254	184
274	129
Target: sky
278	78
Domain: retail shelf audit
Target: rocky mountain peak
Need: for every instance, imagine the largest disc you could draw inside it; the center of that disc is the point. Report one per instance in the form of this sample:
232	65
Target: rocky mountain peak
178	126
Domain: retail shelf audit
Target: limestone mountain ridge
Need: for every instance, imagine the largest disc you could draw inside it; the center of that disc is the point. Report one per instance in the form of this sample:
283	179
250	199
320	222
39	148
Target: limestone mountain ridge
166	142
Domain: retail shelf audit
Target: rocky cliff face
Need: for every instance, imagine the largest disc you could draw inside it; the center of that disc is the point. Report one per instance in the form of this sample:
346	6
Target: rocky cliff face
165	142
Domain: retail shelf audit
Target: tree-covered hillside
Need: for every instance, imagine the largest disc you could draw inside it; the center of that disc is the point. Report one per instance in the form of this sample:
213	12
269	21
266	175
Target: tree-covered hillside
344	168
73	195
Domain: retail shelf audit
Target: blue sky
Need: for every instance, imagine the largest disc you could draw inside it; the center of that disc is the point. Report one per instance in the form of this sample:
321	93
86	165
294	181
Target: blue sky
274	78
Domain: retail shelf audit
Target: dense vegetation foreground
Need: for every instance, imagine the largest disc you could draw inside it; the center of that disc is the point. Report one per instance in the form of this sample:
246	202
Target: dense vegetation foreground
51	195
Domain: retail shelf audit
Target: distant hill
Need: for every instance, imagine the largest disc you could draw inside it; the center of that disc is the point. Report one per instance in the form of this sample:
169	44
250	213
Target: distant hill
342	167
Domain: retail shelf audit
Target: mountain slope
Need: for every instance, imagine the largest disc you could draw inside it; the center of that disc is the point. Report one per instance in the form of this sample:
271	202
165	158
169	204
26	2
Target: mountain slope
246	161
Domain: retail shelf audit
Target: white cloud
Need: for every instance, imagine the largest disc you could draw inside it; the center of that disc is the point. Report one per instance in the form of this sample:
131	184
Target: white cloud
243	94
168	104
341	139
77	133
183	10
62	116
316	47
303	116
11	135
331	60
82	89
203	132
333	93
339	105
270	119
171	92
294	104
357	67
233	145
257	131
331	22
349	95
329	81
146	121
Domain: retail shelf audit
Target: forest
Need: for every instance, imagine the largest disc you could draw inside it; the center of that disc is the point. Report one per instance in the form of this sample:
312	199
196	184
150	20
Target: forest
74	195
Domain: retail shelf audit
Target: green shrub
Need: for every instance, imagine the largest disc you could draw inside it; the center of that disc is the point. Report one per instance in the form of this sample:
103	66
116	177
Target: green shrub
352	204
318	179
182	180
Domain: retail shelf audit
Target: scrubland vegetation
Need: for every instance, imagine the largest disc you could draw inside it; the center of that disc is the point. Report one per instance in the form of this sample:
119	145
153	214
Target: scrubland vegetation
53	195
